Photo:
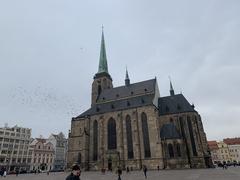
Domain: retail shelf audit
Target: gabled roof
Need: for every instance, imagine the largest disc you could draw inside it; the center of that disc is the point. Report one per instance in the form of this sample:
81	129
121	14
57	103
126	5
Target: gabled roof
169	131
174	104
135	89
232	141
119	105
212	145
123	97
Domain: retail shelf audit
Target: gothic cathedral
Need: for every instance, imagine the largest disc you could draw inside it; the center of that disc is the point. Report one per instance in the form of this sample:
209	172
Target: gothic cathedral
132	125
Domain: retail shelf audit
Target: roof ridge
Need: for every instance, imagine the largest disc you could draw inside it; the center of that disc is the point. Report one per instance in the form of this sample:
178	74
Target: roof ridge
130	84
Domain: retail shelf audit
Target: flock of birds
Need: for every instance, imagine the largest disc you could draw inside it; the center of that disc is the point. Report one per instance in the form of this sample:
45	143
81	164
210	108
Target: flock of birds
45	100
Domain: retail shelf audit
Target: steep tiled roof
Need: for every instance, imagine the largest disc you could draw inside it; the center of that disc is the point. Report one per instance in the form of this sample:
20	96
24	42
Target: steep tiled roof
119	105
231	141
135	89
174	104
123	97
212	145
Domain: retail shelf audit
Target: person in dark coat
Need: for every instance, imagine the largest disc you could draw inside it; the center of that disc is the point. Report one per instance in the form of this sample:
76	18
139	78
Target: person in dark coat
145	171
127	169
17	172
119	172
75	174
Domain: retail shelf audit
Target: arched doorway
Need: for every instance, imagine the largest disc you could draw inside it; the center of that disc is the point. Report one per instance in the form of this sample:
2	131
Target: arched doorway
43	166
110	164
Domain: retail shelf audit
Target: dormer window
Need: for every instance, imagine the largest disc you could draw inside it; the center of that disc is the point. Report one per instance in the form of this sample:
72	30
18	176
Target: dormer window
112	106
143	101
97	109
179	107
167	109
145	90
132	93
117	95
103	98
128	103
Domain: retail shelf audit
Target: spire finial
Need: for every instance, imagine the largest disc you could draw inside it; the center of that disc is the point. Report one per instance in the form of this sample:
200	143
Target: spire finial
127	80
102	28
171	87
103	67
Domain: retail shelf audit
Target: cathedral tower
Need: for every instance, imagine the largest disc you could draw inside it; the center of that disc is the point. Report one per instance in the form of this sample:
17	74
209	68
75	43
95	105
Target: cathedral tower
102	79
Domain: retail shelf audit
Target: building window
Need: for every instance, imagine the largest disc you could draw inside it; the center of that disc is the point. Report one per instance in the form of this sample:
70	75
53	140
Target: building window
170	151
129	137
194	150
95	140
99	89
178	150
147	151
79	159
167	109
112	135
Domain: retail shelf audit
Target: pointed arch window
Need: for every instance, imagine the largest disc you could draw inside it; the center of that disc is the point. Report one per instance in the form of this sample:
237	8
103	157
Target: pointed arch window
129	137
178	150
112	135
146	144
170	151
95	140
99	89
190	128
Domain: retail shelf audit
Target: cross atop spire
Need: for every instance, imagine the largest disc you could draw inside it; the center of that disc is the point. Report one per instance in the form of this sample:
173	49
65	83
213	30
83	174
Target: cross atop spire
127	80
171	87
103	67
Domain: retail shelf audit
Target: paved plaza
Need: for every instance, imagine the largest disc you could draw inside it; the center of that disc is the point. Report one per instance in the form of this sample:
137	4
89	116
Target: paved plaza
232	173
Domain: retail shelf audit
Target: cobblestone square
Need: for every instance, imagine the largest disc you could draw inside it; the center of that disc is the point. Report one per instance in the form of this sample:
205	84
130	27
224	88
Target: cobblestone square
191	174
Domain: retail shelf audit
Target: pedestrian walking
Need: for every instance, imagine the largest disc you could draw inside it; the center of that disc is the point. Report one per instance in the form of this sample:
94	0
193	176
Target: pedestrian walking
127	169
1	171
145	171
119	171
4	173
17	172
75	174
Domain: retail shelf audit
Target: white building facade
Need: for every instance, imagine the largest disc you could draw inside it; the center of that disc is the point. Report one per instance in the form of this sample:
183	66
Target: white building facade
60	146
15	152
42	156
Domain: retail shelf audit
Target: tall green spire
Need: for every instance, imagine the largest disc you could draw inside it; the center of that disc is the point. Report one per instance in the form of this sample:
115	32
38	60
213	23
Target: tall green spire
103	67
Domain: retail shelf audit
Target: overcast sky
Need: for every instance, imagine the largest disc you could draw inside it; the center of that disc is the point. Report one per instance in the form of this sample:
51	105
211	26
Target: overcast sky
49	52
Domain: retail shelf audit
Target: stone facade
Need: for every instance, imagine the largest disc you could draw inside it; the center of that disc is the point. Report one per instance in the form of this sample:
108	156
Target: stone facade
131	126
188	158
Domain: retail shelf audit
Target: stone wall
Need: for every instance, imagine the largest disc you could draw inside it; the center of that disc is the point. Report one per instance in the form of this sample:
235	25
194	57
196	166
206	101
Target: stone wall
81	141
